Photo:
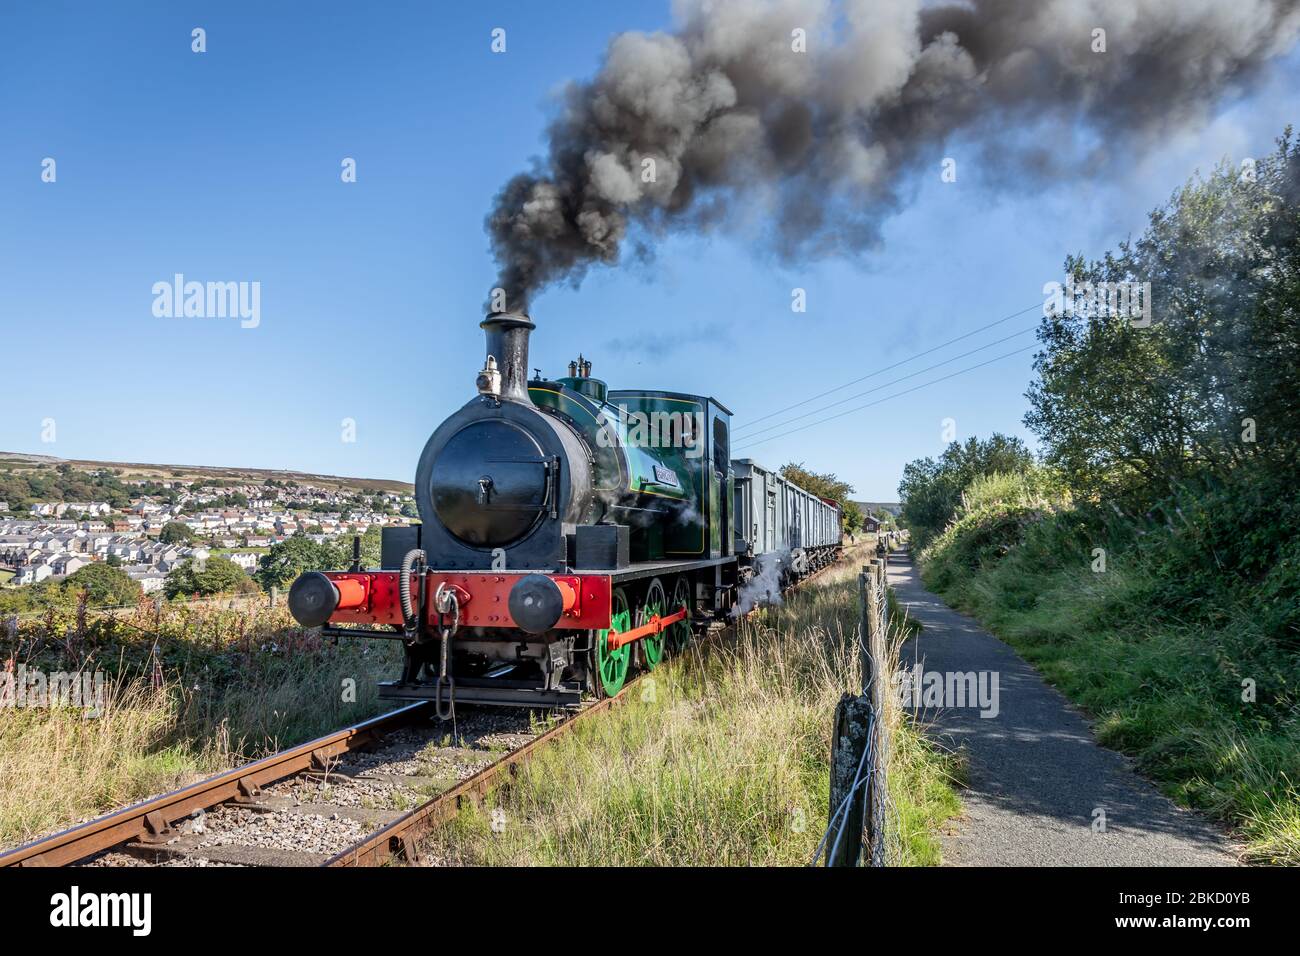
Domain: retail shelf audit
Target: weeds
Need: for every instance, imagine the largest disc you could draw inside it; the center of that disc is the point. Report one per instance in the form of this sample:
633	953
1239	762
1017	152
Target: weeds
721	758
188	693
1181	643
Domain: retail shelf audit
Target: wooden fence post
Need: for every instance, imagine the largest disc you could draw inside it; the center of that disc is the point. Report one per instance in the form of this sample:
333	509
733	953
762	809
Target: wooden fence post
883	629
856	814
866	623
848	743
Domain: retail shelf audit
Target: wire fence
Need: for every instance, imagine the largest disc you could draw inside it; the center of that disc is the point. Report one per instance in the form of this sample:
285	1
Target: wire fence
857	826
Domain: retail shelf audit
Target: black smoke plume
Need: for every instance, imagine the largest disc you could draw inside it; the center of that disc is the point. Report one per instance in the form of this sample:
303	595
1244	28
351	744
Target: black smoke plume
726	122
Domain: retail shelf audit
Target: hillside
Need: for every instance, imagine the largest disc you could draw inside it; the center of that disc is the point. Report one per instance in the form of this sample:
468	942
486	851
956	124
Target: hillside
18	461
893	507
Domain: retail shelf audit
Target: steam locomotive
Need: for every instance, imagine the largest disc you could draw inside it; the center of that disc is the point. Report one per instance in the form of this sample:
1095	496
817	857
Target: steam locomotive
569	533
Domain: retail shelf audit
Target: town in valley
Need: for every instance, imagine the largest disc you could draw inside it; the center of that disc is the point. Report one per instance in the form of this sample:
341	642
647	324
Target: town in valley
157	524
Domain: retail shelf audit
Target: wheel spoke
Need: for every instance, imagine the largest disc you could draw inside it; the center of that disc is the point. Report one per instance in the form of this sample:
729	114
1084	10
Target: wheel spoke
612	665
679	635
652	647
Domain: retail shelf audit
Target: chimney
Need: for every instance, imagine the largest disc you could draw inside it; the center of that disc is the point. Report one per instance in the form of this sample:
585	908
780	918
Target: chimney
507	343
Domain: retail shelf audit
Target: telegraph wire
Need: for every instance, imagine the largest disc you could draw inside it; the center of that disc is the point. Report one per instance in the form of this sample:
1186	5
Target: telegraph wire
878	401
901	378
887	368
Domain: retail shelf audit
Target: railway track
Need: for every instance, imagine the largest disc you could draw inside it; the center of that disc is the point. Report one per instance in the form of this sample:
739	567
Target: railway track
335	801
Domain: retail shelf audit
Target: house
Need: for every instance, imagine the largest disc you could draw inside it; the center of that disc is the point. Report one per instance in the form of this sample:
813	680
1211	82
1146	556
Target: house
245	559
128	551
150	579
870	524
33	574
99	543
66	564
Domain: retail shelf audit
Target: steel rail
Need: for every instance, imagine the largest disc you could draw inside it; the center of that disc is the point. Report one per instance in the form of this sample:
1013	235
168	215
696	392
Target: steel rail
151	820
399	839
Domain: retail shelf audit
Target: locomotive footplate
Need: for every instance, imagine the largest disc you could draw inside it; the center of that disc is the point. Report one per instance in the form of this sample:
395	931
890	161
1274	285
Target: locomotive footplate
650	569
487	690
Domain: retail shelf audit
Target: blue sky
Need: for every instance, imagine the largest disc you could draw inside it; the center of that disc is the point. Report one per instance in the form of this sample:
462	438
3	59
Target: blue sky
225	166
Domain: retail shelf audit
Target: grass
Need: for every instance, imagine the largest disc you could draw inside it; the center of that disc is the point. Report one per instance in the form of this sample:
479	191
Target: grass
724	760
1203	700
721	758
230	687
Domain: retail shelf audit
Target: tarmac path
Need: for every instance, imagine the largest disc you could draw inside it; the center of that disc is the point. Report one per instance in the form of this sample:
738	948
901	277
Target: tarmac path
1038	780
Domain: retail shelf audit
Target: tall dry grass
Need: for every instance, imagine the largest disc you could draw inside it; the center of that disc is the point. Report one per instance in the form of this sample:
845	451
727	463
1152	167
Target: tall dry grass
721	758
187	692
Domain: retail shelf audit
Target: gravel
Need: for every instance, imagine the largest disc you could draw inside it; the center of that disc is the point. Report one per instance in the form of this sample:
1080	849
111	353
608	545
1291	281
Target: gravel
411	766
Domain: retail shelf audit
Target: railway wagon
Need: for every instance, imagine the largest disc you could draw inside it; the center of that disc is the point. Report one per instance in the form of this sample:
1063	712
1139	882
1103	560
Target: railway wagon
780	525
569	533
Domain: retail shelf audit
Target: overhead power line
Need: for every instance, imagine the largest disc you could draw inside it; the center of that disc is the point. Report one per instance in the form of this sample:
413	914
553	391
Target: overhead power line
901	378
887	368
906	391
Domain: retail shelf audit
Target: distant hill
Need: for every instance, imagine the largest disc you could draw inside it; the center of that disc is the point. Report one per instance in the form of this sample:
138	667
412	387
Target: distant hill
893	507
25	462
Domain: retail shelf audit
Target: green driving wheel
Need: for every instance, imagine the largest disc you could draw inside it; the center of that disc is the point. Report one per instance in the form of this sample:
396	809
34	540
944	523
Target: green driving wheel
652	647
679	634
611	666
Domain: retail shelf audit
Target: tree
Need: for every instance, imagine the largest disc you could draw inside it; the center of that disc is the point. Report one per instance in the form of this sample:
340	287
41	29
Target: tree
180	580
1213	381
176	532
931	488
826	486
107	586
371	547
292	556
216	576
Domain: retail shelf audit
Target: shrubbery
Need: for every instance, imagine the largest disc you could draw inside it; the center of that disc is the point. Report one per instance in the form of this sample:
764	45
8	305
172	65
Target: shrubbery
214	576
1186	647
1150	564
